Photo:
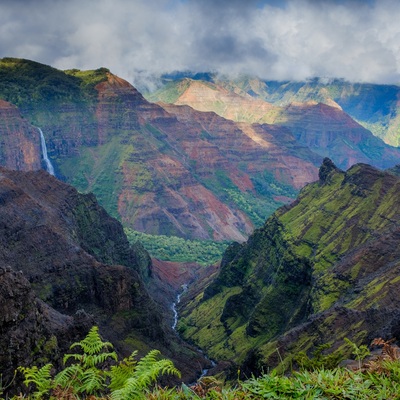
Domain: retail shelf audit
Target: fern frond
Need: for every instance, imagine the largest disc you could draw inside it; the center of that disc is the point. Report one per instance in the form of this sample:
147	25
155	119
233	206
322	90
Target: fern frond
144	374
131	390
92	343
92	380
92	347
89	361
40	377
77	357
69	377
149	368
121	372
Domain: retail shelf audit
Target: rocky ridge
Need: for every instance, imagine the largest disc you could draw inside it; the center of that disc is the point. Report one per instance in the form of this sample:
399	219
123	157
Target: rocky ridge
321	269
374	106
75	269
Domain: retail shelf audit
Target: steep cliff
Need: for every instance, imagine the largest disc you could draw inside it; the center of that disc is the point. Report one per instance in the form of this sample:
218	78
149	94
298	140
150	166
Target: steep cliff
32	332
20	143
324	268
74	260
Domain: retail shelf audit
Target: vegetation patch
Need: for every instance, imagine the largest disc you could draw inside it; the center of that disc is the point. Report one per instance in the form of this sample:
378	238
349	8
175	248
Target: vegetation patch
172	248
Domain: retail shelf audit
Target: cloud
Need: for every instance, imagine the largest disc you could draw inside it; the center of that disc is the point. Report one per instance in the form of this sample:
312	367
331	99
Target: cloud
294	39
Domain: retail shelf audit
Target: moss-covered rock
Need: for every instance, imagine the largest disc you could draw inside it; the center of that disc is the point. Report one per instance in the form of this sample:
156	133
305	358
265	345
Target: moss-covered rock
319	270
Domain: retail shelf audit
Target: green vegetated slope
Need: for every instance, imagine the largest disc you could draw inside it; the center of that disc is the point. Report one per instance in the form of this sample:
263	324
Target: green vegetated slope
323	268
197	177
26	83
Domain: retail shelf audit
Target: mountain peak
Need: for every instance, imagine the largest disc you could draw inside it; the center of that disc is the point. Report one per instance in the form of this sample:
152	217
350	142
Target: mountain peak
327	168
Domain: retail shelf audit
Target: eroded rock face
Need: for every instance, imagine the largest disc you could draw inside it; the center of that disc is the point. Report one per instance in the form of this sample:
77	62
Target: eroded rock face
20	141
31	332
175	171
74	254
74	258
313	117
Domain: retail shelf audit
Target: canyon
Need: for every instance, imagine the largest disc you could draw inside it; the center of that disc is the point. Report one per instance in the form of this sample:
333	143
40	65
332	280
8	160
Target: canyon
167	168
306	195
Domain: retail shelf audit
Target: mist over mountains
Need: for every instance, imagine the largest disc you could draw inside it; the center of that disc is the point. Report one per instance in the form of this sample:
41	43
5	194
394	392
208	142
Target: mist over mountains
169	169
300	177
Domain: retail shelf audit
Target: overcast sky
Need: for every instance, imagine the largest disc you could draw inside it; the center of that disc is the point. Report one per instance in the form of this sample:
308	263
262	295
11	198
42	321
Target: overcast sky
137	39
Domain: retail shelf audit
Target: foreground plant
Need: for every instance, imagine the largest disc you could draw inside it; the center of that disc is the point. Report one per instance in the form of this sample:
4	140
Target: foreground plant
90	372
90	375
143	375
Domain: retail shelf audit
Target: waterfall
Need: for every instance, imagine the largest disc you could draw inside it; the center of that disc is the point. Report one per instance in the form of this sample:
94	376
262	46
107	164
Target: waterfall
174	310
49	165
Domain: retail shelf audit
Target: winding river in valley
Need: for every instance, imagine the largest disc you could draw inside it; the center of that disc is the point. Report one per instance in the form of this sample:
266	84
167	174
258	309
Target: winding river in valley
175	304
175	323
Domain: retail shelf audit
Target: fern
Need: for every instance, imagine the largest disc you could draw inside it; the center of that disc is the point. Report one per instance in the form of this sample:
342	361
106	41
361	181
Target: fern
40	377
92	347
146	372
121	372
84	376
127	380
92	381
360	352
69	377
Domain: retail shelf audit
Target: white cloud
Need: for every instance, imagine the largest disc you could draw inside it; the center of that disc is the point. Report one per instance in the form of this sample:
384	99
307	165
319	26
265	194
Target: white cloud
355	40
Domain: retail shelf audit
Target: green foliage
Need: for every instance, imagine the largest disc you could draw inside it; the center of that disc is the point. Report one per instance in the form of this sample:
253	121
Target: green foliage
318	359
26	83
98	171
360	352
172	248
121	372
84	376
89	374
379	379
89	79
145	373
40	377
92	347
338	383
258	206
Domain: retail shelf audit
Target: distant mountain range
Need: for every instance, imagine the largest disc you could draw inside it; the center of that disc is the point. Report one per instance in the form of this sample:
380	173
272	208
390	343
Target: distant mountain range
168	168
373	106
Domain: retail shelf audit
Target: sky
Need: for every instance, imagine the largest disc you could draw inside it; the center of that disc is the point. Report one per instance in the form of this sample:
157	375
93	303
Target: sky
271	39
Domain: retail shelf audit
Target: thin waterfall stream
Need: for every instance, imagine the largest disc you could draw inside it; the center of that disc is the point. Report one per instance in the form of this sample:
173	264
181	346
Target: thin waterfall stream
49	165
